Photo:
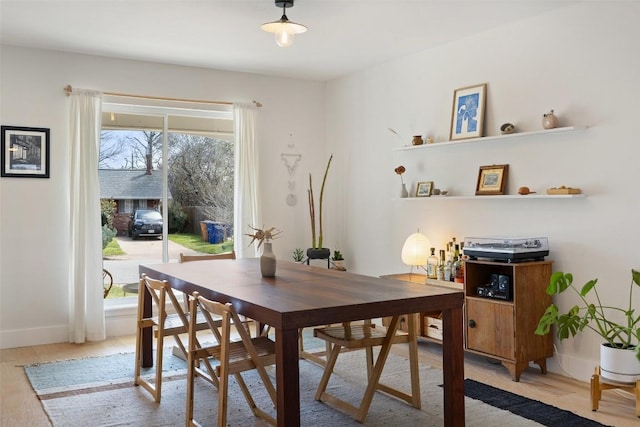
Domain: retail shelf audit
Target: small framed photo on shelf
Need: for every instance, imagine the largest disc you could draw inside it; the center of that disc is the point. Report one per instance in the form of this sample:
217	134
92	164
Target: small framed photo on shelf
492	180
467	114
25	152
424	188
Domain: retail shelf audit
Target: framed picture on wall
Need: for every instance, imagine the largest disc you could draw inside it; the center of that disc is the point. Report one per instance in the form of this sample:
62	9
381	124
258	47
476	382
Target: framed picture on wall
467	113
423	189
25	152
492	180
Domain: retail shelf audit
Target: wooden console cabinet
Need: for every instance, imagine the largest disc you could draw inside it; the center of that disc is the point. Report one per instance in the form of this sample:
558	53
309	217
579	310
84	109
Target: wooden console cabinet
500	329
505	329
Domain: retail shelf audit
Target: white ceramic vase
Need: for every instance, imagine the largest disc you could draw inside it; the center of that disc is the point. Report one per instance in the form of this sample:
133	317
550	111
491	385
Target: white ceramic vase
619	364
267	261
403	192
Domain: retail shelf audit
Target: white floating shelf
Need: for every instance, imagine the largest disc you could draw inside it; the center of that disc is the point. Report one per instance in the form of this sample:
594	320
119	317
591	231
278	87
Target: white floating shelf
492	138
508	196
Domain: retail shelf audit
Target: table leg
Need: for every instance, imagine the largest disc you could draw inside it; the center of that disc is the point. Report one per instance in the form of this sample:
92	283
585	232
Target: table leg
453	367
288	379
147	333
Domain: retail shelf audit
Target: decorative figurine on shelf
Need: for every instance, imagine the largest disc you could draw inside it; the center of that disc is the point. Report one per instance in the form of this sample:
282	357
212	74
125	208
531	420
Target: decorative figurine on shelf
507	128
403	192
549	120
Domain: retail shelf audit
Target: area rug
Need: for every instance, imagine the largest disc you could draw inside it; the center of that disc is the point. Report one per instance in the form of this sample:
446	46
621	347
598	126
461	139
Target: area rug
539	412
100	392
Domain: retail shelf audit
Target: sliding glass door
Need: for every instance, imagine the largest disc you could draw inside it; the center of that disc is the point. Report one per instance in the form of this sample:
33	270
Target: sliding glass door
166	177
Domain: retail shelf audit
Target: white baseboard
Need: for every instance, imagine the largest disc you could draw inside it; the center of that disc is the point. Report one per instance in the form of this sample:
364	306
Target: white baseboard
34	336
569	366
119	321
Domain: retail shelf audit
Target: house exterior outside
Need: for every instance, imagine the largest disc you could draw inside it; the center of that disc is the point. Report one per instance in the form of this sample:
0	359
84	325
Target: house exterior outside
131	189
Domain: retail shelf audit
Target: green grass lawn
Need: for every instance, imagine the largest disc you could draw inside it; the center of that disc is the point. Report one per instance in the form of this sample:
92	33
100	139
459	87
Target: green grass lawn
190	241
195	242
113	248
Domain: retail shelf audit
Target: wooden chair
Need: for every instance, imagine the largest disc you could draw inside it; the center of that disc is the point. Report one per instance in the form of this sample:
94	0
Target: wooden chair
318	357
349	336
163	325
235	357
226	255
188	258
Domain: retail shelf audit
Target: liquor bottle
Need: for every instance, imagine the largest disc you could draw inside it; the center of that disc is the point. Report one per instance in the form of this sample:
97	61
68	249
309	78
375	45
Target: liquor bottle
455	265
463	259
432	265
447	271
440	272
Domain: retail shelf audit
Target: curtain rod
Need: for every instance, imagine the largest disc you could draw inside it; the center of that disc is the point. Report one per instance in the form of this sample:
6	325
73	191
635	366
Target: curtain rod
68	90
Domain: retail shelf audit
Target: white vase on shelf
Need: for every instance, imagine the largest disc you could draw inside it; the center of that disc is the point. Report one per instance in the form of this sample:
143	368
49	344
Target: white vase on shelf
268	261
403	192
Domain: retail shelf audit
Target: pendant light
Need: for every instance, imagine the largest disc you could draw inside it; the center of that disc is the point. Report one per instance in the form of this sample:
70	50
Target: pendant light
284	29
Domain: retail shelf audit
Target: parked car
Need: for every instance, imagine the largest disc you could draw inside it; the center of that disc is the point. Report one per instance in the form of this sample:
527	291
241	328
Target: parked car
145	222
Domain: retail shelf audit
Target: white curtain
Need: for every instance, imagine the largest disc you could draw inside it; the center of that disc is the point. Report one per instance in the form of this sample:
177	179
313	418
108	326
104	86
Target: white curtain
86	313
247	194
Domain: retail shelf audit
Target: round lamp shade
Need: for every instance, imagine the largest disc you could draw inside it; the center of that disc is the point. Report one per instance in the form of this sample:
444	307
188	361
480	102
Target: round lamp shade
416	249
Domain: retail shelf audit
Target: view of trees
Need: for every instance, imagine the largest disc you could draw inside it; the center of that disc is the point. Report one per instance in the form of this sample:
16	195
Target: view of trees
200	168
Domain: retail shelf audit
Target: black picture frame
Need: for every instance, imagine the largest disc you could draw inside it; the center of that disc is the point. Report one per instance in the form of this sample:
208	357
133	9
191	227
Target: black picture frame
25	152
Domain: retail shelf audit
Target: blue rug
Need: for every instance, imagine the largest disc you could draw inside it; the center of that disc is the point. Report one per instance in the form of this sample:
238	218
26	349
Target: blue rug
100	392
93	372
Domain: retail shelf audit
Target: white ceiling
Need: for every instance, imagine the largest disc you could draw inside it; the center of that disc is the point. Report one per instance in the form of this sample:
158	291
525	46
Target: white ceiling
344	35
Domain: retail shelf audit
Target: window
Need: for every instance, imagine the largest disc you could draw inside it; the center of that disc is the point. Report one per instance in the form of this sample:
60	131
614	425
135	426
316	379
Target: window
161	156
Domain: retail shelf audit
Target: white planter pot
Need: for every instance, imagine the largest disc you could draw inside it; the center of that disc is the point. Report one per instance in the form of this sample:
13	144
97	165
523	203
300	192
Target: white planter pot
619	364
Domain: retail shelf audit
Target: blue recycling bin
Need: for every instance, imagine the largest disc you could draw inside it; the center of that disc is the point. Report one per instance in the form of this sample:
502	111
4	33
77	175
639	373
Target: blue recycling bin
217	232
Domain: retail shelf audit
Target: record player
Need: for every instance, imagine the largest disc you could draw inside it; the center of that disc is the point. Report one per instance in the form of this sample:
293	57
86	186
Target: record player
506	249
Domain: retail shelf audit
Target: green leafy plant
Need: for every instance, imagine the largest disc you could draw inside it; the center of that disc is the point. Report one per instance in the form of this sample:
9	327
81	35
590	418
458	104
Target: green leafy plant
312	208
108	233
337	256
107	211
178	219
592	315
298	255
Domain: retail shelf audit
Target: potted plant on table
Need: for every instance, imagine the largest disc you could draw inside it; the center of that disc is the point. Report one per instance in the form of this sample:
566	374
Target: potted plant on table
622	337
316	251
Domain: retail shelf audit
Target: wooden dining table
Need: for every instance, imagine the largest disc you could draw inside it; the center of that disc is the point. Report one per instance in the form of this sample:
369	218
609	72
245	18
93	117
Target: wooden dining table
302	296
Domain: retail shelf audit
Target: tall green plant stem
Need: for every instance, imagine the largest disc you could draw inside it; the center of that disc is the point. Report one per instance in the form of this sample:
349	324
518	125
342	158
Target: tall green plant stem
324	180
312	213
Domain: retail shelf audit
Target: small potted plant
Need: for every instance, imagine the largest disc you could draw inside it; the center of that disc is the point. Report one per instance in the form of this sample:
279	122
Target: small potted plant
298	255
618	326
338	260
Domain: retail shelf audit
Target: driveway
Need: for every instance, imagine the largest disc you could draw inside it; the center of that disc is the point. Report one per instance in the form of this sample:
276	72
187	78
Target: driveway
124	268
148	249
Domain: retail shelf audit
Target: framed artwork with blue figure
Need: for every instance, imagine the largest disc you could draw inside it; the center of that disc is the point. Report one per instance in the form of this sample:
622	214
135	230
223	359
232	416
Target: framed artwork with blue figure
467	115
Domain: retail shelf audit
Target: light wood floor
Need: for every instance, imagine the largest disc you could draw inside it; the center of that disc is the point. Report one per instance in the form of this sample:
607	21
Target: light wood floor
20	407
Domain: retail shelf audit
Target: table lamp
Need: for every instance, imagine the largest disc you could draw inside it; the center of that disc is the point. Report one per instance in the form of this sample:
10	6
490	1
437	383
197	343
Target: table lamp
415	251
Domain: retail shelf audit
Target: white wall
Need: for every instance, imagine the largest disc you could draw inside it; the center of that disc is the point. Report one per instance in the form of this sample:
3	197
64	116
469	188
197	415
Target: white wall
578	61
34	212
